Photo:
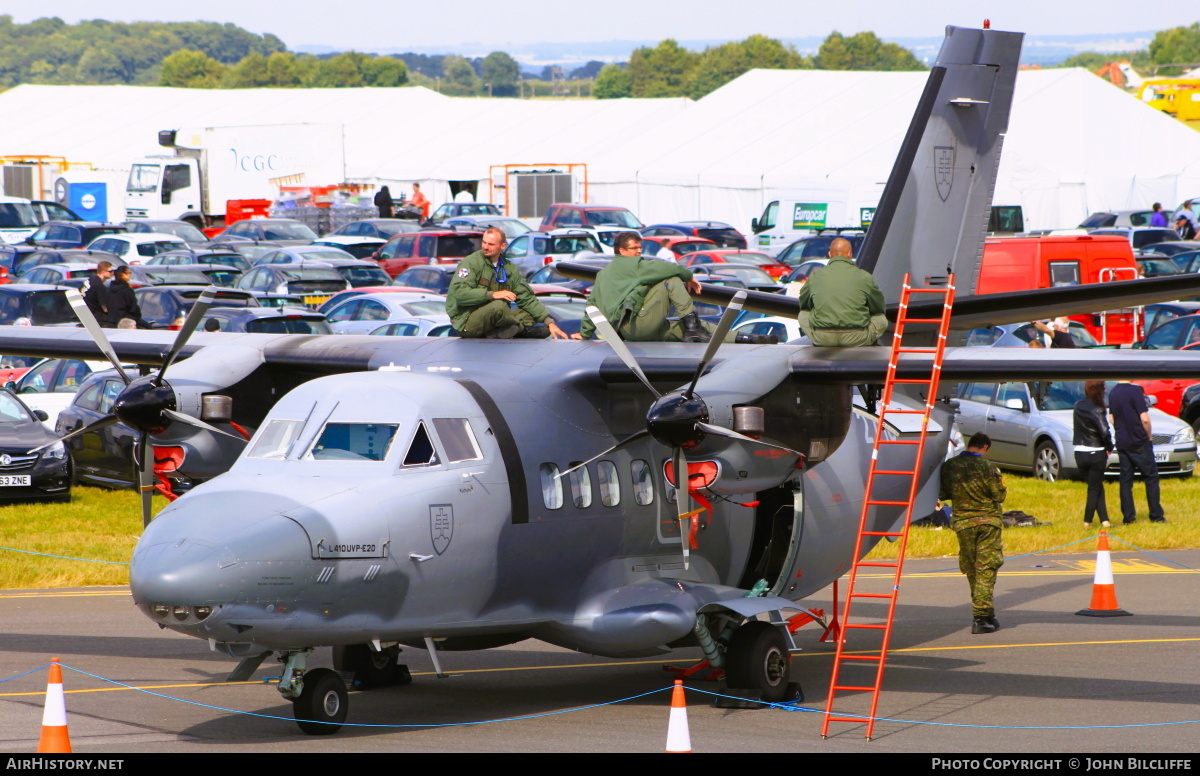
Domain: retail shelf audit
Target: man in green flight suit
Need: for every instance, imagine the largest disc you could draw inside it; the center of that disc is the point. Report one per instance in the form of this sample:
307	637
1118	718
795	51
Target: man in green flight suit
478	301
977	489
636	295
840	304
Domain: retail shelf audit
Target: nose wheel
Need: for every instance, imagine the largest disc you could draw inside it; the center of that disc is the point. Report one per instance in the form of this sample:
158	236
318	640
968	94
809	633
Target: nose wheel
321	707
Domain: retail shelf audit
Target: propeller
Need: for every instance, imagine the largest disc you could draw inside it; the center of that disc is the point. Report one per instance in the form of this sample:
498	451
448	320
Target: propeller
147	404
680	419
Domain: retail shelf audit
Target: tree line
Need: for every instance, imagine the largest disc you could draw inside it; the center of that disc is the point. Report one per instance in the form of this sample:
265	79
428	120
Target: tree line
1176	46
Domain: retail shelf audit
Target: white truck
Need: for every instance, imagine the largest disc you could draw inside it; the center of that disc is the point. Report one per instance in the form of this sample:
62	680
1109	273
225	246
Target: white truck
212	165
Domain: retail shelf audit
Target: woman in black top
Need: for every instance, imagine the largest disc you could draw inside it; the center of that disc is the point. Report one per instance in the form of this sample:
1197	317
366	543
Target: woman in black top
1093	443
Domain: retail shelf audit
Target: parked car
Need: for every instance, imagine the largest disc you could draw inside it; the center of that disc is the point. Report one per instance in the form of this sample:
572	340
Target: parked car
250	250
42	257
349	293
1187	261
1019	335
172	276
1032	431
13	367
298	254
24	475
283	231
53	211
532	251
549	274
264	320
377	228
752	278
1153	265
428	326
772	267
163	305
1141	236
1189	411
678	247
456	209
51	383
71	234
137	248
783	329
221	257
817	247
73	274
568	215
1175	249
433	278
28	304
1155	315
1106	219
358	247
102	456
180	229
431	246
18	220
512	227
313	283
277	301
724	235
362	314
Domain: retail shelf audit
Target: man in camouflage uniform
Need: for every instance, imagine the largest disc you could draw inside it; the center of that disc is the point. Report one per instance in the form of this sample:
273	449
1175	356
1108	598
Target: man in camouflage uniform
977	490
479	301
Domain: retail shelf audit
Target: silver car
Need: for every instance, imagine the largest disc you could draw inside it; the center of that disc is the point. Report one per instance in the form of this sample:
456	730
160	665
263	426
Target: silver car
1030	426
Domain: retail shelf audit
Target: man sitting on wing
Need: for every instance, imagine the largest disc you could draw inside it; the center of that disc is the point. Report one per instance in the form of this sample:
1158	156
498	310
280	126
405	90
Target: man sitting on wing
840	305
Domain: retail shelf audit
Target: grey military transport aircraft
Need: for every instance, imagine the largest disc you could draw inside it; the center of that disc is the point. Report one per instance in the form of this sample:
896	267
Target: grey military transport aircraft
464	494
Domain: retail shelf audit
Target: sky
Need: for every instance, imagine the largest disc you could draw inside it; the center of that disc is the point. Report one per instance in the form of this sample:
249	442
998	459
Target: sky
368	25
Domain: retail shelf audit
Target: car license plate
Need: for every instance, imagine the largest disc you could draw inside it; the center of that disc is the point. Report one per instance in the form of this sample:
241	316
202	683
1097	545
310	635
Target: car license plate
1160	457
315	301
14	480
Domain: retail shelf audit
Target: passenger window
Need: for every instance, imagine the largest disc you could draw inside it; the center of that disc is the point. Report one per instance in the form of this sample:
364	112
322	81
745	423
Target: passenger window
1064	273
581	486
643	483
421	452
610	486
983	337
457	439
552	492
1009	391
1165	336
90	398
112	389
980	392
71	376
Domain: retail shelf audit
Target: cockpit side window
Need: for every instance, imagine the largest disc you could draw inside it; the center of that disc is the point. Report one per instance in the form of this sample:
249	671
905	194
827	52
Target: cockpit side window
457	439
276	439
421	452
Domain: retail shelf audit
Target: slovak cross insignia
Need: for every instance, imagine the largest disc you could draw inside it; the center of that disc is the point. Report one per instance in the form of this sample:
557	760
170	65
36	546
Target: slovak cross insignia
441	526
943	170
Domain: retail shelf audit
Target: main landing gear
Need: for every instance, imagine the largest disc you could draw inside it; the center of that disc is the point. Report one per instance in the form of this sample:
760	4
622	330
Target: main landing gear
757	659
319	698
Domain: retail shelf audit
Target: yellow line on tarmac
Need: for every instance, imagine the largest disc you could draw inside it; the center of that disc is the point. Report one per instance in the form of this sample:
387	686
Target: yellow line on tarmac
635	663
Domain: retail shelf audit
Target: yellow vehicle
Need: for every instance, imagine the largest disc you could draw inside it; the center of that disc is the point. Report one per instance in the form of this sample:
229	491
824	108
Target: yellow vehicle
1179	97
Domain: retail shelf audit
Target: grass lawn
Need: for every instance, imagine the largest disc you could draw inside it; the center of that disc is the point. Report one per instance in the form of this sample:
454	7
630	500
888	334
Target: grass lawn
105	525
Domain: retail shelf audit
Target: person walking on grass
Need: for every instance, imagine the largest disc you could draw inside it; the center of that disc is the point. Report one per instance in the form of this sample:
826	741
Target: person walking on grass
1093	442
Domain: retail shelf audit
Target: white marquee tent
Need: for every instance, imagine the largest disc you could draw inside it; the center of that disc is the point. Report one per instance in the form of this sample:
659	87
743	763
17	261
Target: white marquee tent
1076	144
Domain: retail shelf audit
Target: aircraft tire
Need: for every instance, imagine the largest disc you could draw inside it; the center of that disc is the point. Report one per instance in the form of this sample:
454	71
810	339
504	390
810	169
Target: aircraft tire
758	659
322	702
373	669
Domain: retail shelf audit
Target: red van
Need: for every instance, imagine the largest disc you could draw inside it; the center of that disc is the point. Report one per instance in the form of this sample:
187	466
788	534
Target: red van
1023	263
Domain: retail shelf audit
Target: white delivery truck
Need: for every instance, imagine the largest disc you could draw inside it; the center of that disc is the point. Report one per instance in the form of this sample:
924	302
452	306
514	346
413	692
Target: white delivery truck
805	212
213	165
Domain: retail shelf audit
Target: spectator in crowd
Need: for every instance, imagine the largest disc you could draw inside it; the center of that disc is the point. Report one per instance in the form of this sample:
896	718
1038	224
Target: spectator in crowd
1186	231
1131	418
383	201
1059	330
1093	442
123	309
419	200
96	293
1158	217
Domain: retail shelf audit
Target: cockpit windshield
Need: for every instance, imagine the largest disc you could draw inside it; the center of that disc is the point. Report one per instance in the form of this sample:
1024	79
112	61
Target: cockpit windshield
276	439
353	442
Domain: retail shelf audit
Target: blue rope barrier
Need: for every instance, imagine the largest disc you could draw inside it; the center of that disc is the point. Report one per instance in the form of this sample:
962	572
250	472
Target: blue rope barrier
27	673
1139	549
64	557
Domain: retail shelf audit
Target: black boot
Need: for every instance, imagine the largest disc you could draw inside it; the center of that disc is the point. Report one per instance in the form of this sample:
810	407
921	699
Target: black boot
693	330
537	331
756	339
991	618
981	625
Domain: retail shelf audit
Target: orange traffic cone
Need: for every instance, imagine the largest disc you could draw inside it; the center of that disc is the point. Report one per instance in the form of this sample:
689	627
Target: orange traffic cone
679	741
55	739
1104	592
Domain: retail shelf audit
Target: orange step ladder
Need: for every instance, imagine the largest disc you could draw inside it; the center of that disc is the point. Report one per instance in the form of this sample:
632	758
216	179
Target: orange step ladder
850	624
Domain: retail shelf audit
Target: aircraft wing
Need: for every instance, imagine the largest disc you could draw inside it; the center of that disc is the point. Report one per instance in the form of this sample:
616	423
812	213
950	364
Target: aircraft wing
973	312
856	366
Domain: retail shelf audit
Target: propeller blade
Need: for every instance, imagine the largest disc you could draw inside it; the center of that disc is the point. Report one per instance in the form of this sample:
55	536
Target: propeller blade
618	345
618	446
75	299
145	457
104	422
191	421
189	325
708	428
731	311
683	500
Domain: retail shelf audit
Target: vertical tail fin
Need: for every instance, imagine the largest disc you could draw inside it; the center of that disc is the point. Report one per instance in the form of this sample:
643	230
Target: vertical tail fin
933	214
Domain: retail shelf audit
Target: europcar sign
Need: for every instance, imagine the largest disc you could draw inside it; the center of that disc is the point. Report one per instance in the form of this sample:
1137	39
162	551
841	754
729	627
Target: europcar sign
810	215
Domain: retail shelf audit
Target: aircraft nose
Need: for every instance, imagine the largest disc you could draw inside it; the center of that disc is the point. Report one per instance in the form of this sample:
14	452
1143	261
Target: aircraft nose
218	559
